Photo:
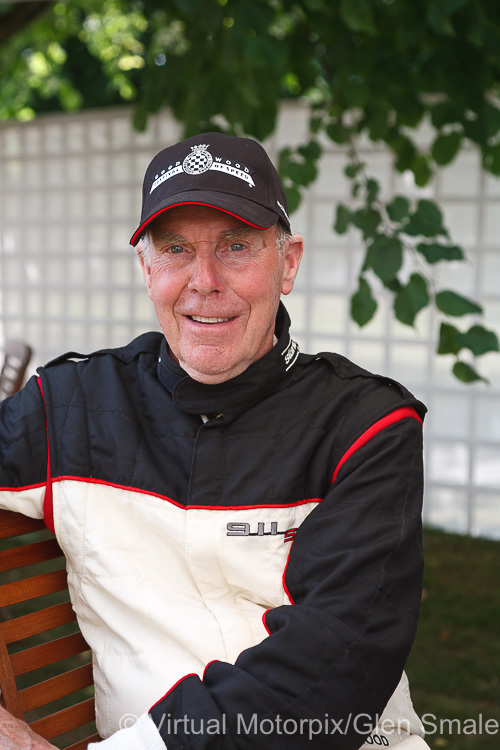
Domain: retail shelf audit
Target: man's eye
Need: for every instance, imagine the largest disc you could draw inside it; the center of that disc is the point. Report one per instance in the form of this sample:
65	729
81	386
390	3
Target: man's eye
176	249
236	246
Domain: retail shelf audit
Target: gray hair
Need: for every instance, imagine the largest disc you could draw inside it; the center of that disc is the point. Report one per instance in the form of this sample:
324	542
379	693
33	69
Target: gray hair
144	246
283	235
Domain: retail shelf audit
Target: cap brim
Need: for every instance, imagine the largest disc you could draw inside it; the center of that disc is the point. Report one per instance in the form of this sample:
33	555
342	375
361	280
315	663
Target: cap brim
245	210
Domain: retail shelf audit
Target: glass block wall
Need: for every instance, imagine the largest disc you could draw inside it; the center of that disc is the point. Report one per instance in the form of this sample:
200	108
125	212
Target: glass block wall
70	189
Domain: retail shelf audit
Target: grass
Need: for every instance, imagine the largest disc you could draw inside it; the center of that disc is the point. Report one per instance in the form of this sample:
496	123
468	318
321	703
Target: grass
454	667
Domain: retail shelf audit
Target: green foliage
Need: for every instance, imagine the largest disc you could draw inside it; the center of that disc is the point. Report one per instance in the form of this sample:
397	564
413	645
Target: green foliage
343	219
375	70
411	298
477	339
426	220
398	209
452	303
465	372
384	257
446	147
363	305
433	252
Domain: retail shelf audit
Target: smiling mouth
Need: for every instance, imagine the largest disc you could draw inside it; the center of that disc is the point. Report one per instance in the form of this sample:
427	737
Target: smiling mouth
200	319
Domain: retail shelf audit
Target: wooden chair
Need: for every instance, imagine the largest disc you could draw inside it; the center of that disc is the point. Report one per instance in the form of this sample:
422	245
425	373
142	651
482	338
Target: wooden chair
16	358
45	669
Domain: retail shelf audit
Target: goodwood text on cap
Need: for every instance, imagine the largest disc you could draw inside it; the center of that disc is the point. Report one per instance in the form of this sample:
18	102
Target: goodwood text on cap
225	172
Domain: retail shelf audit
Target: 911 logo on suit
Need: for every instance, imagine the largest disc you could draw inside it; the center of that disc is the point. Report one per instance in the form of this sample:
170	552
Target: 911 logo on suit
244	529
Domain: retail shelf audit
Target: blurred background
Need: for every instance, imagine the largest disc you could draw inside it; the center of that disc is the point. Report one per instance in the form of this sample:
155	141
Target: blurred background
70	196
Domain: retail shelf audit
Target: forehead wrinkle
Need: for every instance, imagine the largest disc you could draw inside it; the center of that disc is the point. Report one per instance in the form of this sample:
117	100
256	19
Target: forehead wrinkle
168	236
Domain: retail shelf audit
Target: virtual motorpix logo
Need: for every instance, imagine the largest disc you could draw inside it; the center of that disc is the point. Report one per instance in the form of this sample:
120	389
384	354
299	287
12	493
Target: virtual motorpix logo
434	725
276	725
386	733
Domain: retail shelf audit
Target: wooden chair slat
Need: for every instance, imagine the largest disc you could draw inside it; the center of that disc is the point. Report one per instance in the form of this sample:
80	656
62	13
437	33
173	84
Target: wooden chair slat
82	745
17	355
65	651
29	554
30	588
56	687
48	653
9	696
65	720
14	524
38	622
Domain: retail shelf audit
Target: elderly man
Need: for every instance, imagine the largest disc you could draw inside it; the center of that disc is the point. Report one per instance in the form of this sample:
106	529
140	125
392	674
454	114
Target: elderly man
241	521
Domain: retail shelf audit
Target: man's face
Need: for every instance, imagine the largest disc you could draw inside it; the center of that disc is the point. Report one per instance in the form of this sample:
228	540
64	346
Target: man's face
215	283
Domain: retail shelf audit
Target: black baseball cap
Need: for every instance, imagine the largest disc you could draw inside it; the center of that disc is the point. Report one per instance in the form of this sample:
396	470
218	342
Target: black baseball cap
231	174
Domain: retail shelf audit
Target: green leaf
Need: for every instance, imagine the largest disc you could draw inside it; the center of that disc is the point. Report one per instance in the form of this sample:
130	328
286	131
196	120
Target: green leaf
449	339
479	340
363	305
342	219
337	132
311	151
315	124
372	190
357	16
352	170
445	148
452	303
301	173
385	257
293	198
491	116
445	113
398	209
466	373
433	252
411	299
427	220
404	150
421	169
366	219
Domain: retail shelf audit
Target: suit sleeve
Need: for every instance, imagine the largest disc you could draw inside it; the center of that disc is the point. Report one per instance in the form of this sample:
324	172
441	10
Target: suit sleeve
332	659
23	451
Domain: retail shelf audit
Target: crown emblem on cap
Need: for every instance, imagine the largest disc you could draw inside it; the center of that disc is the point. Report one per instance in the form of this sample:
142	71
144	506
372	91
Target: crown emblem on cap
199	160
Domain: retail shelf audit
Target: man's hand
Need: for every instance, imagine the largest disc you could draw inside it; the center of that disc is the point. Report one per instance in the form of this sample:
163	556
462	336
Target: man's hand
16	735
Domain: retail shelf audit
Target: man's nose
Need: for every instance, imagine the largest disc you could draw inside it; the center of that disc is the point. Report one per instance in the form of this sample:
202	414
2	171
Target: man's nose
206	276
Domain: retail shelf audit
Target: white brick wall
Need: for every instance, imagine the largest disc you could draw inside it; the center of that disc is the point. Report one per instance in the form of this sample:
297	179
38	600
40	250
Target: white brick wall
70	190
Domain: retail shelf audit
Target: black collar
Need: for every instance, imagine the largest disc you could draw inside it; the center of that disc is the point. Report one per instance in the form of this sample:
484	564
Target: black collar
234	395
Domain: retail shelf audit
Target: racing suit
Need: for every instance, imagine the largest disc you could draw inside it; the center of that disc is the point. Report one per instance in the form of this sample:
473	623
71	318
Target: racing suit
250	551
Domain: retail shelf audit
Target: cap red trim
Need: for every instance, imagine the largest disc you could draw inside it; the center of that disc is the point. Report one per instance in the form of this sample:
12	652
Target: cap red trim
139	231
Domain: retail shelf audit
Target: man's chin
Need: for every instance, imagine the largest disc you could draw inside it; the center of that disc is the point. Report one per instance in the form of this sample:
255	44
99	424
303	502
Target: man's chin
212	368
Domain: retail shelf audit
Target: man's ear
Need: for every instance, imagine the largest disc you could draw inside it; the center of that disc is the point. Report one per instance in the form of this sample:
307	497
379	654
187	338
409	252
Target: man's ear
292	256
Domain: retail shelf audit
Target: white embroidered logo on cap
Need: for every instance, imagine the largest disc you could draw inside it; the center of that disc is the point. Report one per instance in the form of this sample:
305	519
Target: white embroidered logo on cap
199	161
